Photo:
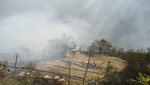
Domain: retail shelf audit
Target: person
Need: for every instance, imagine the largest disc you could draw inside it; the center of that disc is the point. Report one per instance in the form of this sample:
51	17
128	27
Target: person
109	67
68	58
73	52
68	55
77	54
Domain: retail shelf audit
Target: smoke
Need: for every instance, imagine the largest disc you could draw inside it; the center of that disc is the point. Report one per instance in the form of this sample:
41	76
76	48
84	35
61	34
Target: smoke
31	23
54	50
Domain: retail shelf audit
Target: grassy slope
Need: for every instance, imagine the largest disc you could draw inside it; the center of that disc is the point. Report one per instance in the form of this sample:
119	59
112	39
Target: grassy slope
101	60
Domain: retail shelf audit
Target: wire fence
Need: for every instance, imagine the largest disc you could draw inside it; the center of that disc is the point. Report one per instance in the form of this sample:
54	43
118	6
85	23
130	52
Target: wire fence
68	75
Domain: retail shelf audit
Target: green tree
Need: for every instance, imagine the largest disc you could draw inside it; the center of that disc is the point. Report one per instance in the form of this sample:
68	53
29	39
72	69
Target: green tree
101	45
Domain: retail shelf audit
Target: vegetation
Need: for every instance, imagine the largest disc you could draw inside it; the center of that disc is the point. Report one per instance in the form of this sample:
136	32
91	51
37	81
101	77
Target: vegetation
30	65
8	81
137	64
137	61
101	46
142	79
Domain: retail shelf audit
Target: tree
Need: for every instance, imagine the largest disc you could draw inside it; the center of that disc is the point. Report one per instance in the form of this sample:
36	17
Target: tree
101	45
148	50
68	42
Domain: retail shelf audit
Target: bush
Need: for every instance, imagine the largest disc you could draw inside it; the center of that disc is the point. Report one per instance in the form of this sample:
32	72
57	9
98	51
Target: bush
137	62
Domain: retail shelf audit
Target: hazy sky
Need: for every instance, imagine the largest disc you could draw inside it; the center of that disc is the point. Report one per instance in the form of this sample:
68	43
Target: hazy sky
31	23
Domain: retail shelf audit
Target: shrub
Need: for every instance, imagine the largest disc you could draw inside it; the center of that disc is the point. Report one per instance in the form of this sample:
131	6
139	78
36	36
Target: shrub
137	62
142	79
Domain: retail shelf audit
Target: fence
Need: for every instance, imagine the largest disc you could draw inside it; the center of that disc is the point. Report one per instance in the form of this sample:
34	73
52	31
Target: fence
82	78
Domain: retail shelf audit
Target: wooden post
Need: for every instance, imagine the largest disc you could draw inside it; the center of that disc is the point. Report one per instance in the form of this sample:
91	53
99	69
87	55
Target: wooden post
69	72
15	69
87	67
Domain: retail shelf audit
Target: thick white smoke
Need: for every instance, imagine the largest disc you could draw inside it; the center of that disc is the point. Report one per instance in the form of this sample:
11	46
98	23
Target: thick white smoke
31	23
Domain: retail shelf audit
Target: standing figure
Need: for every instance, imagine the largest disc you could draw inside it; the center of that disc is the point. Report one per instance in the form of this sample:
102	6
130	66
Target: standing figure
109	67
73	52
68	58
77	54
68	55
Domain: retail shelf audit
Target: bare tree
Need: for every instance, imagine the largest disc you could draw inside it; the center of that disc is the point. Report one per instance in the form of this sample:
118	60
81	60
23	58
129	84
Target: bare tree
68	42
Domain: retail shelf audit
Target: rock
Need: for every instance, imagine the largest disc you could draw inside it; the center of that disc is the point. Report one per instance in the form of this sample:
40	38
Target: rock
56	77
21	74
28	73
61	82
47	77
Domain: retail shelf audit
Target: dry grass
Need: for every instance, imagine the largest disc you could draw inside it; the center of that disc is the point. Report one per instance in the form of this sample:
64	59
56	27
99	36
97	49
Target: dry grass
8	81
101	60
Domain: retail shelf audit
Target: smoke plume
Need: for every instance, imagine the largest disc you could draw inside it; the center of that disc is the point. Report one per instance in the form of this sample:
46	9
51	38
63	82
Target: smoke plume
31	23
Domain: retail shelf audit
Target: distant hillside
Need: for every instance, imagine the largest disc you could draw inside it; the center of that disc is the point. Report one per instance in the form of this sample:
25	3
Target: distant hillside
100	60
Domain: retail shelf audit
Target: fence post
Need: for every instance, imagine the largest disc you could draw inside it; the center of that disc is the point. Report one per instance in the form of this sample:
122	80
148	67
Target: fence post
87	67
69	72
15	69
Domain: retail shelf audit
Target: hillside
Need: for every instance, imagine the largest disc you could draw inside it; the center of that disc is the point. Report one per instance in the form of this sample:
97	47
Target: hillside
101	60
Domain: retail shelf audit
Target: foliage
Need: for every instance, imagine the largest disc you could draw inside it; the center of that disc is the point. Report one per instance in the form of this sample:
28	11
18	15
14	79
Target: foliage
137	62
4	62
8	81
110	79
109	67
101	45
30	65
142	79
